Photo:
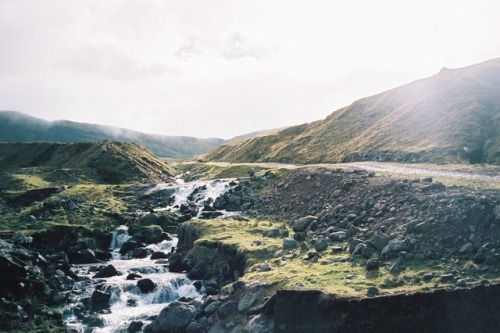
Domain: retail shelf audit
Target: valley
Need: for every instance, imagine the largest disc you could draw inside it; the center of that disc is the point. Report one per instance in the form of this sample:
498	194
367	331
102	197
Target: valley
357	231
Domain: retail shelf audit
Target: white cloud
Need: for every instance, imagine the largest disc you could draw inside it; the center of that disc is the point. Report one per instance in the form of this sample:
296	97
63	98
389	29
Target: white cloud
226	67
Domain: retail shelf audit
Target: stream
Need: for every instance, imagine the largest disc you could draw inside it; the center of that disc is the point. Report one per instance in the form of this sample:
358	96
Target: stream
115	303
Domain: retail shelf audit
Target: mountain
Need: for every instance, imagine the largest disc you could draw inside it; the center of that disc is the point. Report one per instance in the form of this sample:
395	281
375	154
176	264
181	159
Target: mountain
453	116
107	162
19	127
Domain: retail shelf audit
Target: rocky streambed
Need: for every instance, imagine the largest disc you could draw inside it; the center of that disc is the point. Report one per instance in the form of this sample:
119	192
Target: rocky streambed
347	216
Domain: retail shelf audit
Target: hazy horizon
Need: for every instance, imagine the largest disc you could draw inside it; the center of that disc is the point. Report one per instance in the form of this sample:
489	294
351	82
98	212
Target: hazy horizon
226	68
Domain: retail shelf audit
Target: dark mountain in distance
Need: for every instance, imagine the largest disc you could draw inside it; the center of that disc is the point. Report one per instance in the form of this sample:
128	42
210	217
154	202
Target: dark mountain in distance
19	127
453	116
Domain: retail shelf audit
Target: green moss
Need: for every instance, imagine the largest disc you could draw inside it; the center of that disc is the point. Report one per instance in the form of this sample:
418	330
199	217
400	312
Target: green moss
291	269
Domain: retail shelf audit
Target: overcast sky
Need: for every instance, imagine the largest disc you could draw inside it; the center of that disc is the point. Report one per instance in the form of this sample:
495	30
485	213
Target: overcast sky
216	68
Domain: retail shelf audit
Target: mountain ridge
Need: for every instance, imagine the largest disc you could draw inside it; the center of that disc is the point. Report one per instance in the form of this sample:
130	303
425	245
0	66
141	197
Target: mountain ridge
452	116
19	127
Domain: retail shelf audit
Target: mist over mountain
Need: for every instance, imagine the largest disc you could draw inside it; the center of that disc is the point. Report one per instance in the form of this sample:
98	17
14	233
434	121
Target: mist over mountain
453	116
19	127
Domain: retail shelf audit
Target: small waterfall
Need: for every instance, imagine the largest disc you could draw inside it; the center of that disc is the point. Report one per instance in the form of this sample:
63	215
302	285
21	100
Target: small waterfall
196	194
126	301
119	236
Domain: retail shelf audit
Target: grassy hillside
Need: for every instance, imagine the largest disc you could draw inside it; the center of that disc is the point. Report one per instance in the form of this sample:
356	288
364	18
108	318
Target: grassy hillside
15	126
453	116
107	162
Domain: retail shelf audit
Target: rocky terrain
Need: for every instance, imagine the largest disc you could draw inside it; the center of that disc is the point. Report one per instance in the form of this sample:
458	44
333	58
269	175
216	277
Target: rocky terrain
424	234
345	233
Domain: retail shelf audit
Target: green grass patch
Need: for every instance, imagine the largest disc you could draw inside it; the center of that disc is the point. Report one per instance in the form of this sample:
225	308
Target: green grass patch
291	269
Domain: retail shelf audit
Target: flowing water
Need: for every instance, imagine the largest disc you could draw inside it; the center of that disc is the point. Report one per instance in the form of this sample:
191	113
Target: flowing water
127	302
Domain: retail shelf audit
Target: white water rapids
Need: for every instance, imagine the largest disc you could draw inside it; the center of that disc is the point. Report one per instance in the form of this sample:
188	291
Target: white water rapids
127	302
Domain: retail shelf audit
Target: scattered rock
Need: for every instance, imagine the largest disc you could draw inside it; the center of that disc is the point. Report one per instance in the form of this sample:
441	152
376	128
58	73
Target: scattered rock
106	272
146	285
175	317
289	244
372	264
135	327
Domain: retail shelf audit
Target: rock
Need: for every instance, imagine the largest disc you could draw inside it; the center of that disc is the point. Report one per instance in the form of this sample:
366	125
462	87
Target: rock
423	227
467	248
106	272
339	259
129	245
367	252
427	277
372	264
175	317
410	226
134	276
21	239
372	291
301	224
212	308
338	236
100	299
260	324
273	233
321	245
461	283
159	255
395	268
176	263
445	278
265	268
227	309
146	285
394	245
140	253
249	300
196	327
86	256
359	248
12	268
197	285
379	241
135	326
209	290
289	244
353	244
198	272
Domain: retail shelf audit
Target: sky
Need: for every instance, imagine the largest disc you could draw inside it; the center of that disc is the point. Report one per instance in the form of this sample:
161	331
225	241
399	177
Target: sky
222	68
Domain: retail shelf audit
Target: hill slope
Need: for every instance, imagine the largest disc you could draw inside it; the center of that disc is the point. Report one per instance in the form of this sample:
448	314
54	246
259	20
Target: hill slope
452	116
108	162
15	126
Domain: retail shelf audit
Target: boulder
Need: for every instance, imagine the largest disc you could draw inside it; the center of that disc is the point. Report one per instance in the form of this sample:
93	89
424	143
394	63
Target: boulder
372	264
227	309
321	245
289	244
134	276
212	308
100	299
135	327
86	256
129	245
106	272
301	224
146	285
260	324
174	318
159	255
423	227
379	241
